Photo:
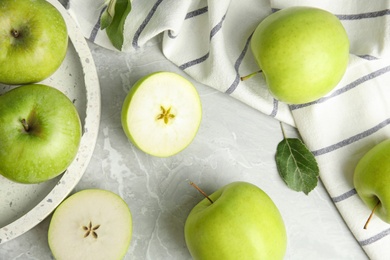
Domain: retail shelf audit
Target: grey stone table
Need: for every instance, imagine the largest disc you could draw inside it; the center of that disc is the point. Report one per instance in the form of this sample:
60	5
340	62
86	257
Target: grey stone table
234	142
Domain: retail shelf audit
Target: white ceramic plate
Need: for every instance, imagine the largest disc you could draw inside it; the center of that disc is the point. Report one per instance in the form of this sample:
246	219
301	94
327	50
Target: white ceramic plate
24	206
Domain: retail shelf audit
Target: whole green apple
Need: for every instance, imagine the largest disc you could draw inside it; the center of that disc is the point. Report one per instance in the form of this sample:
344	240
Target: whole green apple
33	40
40	132
241	223
91	224
372	177
303	53
161	114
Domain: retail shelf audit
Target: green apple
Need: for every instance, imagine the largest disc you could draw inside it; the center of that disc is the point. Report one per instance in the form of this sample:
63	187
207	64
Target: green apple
40	132
91	224
242	222
372	177
33	40
162	113
303	53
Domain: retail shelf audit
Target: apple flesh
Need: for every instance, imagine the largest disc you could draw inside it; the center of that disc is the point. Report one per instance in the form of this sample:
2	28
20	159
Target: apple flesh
303	53
241	223
91	224
40	132
372	177
161	113
33	40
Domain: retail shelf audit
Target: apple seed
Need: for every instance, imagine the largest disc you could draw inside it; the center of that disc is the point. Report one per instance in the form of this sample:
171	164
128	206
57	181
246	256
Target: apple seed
165	114
91	230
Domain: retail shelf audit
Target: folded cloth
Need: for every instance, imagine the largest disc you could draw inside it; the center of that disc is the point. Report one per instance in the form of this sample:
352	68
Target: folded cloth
342	126
210	40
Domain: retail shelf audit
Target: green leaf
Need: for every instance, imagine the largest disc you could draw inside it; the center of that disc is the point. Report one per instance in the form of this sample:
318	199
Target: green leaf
105	19
113	20
297	165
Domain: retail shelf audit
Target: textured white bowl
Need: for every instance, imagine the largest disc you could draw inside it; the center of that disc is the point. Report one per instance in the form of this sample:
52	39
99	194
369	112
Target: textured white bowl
24	206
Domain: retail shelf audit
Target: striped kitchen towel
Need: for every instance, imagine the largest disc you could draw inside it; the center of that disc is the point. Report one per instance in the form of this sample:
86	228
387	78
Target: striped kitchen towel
209	40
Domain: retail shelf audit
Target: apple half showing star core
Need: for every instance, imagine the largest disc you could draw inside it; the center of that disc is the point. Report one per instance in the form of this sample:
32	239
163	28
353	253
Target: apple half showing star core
162	113
40	132
91	224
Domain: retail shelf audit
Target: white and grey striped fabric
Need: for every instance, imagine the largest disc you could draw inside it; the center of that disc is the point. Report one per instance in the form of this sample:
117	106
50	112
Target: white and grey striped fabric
209	40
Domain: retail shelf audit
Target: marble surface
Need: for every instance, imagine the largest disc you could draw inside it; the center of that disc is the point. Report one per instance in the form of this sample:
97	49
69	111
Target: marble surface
234	142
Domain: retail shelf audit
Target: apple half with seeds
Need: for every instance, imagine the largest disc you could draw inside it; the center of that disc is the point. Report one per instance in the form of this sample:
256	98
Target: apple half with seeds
162	113
91	224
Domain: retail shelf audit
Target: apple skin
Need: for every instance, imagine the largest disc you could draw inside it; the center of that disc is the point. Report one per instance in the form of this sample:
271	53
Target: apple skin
372	177
303	53
242	223
52	140
41	44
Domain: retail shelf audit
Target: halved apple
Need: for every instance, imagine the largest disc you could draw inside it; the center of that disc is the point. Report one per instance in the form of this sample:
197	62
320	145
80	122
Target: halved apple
91	224
162	113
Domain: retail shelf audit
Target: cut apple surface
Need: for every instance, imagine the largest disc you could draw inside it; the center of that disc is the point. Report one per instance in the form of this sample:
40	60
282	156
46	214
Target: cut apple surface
162	113
91	224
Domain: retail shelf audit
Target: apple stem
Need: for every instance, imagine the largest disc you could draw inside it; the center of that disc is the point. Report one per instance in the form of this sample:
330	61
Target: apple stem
25	125
372	213
201	191
15	33
250	75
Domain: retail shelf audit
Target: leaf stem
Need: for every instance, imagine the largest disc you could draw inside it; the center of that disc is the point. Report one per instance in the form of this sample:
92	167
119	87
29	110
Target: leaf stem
372	213
201	191
284	133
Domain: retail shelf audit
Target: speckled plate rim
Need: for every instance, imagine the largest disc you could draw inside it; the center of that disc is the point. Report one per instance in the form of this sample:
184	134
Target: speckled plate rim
87	145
